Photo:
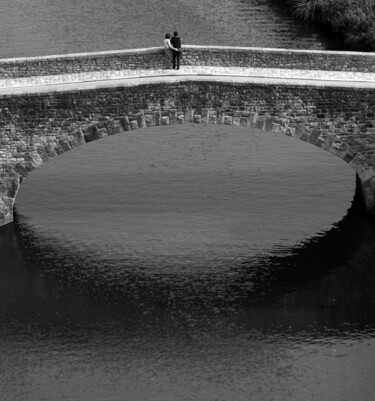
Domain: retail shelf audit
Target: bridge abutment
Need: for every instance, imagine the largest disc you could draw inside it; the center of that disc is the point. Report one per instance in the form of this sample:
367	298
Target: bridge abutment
8	191
368	194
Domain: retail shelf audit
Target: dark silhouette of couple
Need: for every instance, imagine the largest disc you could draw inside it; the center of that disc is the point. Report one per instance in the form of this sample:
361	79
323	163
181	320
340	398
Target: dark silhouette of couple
173	50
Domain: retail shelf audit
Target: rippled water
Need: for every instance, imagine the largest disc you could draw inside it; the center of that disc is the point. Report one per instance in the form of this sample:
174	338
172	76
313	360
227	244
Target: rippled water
41	27
189	262
183	263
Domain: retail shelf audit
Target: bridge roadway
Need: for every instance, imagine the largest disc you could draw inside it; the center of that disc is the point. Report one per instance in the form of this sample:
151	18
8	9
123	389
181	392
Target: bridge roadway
128	77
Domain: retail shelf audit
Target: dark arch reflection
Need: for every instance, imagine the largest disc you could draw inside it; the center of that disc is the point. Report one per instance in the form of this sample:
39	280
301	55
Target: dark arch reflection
322	287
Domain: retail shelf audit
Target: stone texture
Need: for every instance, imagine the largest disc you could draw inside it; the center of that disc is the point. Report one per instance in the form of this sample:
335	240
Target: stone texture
192	55
37	127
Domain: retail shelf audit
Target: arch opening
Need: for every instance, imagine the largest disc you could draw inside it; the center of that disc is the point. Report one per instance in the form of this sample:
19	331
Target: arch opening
172	187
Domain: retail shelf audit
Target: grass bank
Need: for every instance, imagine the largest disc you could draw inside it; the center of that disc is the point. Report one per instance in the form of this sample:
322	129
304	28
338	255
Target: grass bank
354	20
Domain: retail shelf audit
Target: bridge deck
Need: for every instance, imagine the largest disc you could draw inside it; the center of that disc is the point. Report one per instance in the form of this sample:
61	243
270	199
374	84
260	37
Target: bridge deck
89	80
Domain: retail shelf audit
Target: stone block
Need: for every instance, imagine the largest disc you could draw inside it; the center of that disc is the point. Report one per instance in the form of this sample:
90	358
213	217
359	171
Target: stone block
180	117
228	120
59	150
275	127
149	120
253	118
78	137
244	121
133	124
24	168
305	136
124	121
367	175
236	120
290	131
188	115
34	159
212	118
101	133
197	119
64	145
112	127
172	116
142	119
9	187
269	122
6	211
205	115
165	120
220	116
261	122
157	117
348	157
50	151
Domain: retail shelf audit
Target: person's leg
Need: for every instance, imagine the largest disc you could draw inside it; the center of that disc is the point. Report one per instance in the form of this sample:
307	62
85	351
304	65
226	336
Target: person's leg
178	56
168	57
174	56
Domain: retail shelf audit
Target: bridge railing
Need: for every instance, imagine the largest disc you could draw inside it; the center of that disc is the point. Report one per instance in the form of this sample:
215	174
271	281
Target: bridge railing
153	58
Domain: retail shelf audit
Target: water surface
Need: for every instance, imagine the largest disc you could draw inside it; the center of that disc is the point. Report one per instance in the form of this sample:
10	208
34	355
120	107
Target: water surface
183	263
189	262
43	27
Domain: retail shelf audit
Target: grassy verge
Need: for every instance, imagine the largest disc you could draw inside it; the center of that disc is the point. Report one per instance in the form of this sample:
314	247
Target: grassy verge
354	20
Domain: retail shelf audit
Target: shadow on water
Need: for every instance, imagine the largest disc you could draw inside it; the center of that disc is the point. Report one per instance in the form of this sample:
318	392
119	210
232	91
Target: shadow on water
326	283
317	257
302	29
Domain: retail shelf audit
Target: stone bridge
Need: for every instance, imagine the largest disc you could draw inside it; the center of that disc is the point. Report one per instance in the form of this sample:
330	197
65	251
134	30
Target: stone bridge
49	105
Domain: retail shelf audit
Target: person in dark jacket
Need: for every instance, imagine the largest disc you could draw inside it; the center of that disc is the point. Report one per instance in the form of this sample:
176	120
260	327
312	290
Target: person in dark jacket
176	55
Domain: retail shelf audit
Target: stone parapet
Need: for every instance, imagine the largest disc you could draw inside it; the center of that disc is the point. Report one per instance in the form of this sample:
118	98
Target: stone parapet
279	58
153	58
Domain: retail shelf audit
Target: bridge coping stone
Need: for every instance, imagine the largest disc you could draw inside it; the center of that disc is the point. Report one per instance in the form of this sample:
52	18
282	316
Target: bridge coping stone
148	58
75	56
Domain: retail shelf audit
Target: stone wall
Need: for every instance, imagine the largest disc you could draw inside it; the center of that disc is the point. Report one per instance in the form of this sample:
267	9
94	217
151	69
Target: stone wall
36	127
153	58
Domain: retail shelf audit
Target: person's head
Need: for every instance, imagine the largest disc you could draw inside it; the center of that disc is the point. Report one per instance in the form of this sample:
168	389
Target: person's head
175	33
167	35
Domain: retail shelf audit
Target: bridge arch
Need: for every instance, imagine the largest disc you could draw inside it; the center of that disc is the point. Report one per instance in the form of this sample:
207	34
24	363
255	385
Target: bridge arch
37	127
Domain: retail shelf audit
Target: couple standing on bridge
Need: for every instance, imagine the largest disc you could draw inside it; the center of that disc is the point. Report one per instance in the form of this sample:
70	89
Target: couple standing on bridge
173	50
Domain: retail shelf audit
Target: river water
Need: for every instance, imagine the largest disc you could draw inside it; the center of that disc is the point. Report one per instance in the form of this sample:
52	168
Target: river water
42	27
183	263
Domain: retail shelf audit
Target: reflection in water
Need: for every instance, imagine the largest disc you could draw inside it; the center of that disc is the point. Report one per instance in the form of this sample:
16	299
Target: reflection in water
327	267
78	323
299	325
